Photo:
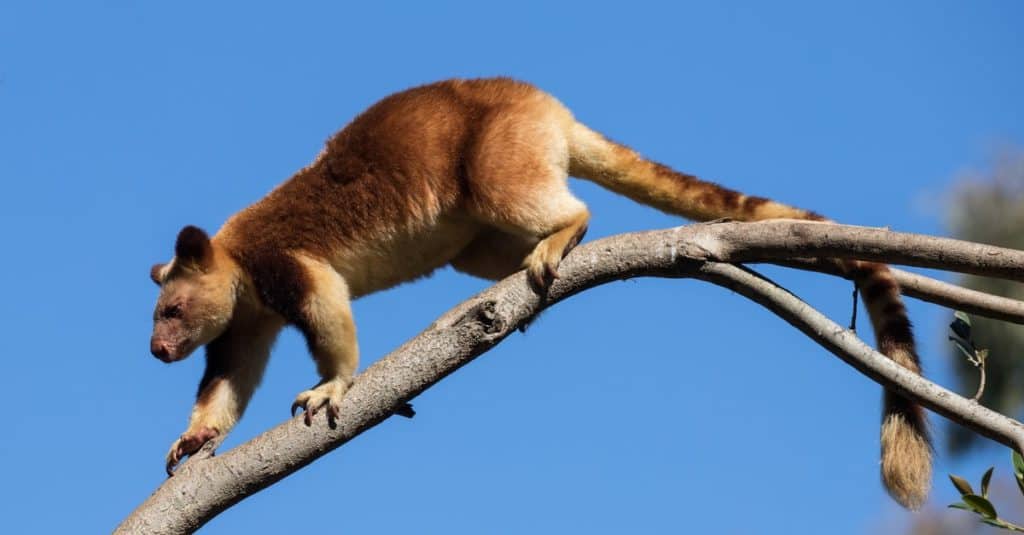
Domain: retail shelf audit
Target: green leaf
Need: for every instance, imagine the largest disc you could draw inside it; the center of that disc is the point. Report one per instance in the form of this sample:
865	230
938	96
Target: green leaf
1020	483
1018	464
980	505
985	481
959	505
961	485
961	325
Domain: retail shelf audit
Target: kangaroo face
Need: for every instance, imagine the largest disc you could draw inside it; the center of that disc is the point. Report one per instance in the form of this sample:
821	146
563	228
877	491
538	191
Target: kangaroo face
197	297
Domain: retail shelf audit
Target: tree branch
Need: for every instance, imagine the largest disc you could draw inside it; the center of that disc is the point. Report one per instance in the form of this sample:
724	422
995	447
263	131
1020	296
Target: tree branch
758	242
933	291
203	486
847	346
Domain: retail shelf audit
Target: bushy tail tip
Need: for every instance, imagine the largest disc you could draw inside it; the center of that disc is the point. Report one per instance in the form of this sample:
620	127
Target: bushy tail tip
906	460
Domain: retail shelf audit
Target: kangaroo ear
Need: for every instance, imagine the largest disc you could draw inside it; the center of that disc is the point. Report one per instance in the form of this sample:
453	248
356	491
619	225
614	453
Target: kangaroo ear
157	273
193	246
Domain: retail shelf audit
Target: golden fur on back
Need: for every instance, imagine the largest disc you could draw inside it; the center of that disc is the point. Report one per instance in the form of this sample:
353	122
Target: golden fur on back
471	173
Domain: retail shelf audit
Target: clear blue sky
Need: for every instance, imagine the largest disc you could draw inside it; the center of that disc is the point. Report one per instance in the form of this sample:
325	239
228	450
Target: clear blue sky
644	406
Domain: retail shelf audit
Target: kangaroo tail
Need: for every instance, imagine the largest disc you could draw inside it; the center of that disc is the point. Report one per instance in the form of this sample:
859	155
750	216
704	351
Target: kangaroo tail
906	447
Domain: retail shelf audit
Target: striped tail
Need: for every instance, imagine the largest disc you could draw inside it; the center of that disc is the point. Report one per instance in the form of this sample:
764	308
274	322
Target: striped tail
906	447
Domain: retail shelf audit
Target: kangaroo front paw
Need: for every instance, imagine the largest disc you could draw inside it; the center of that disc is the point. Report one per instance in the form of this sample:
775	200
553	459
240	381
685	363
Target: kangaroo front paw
327	394
542	264
187	444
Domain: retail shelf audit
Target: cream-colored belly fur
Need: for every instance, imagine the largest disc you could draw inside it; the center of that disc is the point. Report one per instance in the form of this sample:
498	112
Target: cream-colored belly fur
396	257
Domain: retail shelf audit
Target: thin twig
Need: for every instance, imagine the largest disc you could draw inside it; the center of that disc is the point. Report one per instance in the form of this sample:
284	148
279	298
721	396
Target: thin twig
981	381
853	317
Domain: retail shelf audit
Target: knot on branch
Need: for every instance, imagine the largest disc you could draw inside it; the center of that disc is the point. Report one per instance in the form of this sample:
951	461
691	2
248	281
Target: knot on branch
485	314
689	255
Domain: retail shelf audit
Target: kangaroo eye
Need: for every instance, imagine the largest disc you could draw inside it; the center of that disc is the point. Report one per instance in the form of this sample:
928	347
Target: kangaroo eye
172	311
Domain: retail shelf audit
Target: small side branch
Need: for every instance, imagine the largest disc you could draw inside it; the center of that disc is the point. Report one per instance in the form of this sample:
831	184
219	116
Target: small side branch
856	353
933	291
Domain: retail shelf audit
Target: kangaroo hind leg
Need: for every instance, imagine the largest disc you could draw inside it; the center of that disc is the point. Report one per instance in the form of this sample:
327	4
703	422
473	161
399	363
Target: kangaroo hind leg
518	180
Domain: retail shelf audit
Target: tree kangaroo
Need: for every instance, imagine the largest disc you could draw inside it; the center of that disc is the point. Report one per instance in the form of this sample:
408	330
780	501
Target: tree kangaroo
471	173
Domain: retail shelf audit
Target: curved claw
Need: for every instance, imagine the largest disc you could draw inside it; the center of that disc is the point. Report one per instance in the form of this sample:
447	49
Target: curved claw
188	444
538	279
173	457
327	396
551	270
172	463
333	413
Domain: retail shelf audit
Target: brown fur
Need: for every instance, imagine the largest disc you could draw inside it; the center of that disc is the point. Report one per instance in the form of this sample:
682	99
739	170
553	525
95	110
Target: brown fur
467	172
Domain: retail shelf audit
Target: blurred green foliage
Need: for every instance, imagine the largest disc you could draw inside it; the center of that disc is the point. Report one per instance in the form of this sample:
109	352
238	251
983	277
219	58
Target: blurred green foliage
988	207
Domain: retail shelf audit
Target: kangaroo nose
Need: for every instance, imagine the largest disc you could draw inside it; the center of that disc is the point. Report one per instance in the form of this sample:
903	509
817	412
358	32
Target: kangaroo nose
160	350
